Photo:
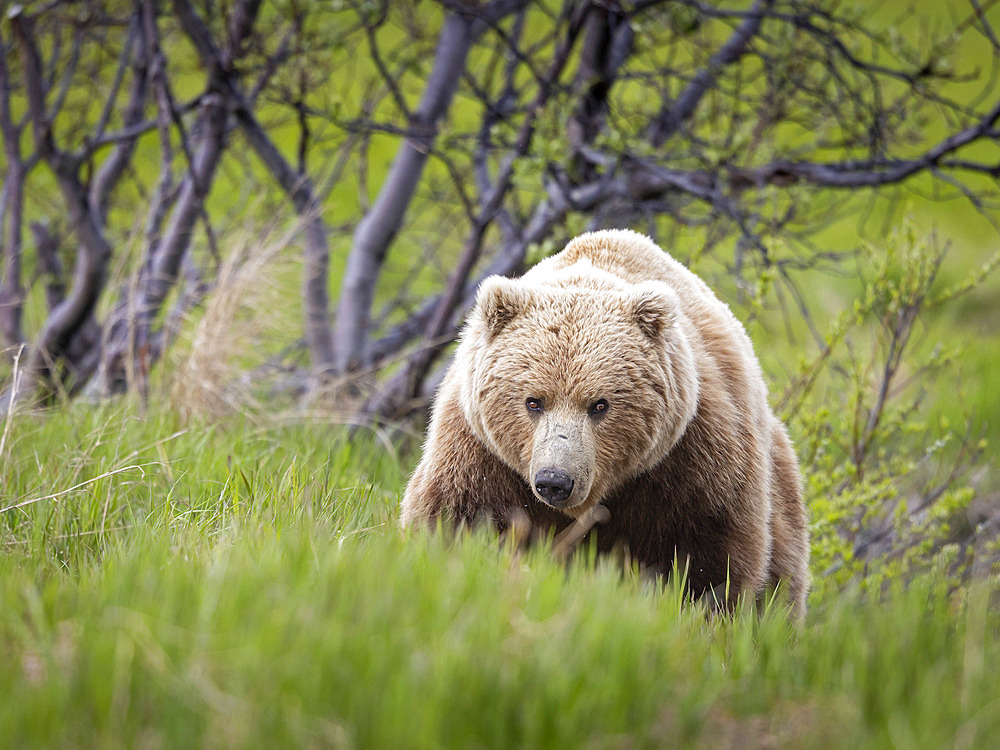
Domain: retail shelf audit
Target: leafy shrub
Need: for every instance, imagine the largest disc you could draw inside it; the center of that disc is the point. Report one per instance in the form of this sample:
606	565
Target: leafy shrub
887	484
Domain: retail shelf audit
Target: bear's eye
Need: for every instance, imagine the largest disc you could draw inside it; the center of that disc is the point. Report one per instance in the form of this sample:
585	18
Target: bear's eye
599	408
533	404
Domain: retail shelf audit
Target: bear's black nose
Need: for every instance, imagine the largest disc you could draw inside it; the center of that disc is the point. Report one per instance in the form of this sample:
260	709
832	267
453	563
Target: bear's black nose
554	486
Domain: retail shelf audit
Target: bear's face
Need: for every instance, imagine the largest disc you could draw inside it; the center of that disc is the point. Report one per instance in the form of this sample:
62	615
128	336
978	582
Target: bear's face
577	388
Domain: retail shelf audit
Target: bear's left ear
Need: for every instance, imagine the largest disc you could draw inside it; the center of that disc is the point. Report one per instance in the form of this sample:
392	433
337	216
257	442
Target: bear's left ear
654	307
499	301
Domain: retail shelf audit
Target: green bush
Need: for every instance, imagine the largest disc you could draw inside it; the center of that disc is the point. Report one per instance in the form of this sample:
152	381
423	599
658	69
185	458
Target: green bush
885	481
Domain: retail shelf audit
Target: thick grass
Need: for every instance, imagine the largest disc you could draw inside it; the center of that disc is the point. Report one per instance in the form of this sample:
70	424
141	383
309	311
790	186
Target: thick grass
250	588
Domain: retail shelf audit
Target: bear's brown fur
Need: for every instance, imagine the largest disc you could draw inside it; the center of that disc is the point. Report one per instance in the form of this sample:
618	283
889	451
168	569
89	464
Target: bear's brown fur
610	374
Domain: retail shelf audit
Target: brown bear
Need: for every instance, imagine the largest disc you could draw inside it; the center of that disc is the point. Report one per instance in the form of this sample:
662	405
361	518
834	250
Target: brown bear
610	374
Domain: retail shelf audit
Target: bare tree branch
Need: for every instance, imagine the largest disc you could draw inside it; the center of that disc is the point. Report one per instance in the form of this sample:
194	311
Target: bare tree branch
379	226
438	331
11	217
674	113
110	172
91	265
297	185
177	237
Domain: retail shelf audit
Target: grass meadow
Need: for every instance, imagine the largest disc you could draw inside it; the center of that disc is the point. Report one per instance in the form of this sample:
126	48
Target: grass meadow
184	583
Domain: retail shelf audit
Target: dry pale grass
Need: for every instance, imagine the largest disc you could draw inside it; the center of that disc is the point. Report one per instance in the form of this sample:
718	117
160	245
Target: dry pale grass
250	307
223	361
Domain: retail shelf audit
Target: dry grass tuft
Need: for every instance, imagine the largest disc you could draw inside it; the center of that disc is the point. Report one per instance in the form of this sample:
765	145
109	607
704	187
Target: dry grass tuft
250	306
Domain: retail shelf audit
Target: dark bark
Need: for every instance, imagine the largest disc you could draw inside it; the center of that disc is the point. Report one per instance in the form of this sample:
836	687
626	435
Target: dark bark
11	217
90	270
129	346
49	265
11	288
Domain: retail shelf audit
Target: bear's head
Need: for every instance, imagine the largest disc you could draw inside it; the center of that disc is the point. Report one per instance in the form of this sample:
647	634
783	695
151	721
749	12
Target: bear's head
577	386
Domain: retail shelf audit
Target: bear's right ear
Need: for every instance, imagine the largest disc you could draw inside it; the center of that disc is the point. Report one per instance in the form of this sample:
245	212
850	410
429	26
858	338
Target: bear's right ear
654	307
499	301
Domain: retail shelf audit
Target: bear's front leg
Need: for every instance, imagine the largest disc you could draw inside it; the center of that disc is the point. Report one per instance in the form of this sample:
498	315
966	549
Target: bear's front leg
460	481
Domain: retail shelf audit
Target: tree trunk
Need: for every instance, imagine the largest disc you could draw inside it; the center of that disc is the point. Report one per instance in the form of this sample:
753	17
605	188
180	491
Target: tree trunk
377	229
11	219
11	291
